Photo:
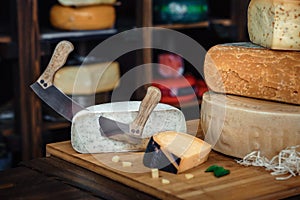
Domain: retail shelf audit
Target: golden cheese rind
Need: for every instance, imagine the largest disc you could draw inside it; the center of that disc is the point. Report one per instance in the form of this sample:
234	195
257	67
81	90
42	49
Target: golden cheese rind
249	70
88	79
85	2
83	18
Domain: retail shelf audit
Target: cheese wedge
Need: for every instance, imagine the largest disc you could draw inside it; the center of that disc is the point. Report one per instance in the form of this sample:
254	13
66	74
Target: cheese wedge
82	18
85	2
88	79
250	70
237	126
275	24
175	152
85	129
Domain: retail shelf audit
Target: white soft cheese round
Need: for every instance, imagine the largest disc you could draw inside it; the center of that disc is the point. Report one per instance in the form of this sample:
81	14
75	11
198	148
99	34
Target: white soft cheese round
85	129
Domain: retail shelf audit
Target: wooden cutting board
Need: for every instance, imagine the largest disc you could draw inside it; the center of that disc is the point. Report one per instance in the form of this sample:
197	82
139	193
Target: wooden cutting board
241	183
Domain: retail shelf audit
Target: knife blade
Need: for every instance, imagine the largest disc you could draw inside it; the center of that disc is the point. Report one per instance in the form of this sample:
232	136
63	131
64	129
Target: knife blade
50	94
132	132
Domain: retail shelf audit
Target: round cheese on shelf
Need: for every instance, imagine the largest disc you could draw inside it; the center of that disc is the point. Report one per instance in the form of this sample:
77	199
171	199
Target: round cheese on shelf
250	70
237	126
85	2
275	24
83	18
88	79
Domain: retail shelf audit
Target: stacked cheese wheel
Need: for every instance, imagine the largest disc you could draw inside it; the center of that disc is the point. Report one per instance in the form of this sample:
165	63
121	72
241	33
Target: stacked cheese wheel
83	15
258	84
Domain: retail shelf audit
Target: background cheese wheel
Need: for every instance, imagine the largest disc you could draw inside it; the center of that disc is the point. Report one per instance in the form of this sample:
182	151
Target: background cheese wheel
85	129
82	18
240	125
85	2
249	70
275	23
88	79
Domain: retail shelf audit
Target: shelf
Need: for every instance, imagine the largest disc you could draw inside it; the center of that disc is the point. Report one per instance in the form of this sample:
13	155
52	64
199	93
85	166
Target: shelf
7	130
223	22
184	26
56	125
203	24
187	104
5	39
48	34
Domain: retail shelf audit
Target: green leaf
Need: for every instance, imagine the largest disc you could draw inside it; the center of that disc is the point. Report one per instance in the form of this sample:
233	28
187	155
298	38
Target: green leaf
212	168
217	170
221	172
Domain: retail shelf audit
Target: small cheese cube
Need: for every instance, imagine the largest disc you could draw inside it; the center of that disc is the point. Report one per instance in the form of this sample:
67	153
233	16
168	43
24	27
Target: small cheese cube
126	164
189	176
154	173
165	181
115	159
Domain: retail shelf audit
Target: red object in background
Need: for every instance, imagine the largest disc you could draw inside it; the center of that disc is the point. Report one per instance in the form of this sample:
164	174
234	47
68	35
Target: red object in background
171	65
177	90
201	88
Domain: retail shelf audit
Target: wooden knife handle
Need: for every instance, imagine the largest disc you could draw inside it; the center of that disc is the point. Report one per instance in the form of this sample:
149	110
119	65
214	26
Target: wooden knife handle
58	59
149	102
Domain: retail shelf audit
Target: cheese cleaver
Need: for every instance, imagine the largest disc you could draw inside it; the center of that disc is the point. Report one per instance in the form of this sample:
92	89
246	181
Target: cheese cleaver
132	132
45	89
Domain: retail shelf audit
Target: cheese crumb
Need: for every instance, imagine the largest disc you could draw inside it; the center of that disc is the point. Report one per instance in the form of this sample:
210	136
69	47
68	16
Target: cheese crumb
126	164
189	176
115	159
154	173
165	181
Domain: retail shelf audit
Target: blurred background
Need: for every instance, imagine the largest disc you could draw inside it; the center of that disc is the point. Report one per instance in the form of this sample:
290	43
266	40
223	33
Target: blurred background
30	29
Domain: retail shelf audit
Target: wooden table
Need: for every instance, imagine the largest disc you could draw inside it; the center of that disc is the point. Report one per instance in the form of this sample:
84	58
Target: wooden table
65	174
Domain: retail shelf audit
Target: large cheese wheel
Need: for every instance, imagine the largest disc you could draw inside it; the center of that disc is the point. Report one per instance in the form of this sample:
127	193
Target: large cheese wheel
85	2
85	129
175	152
236	126
275	23
88	79
249	70
82	18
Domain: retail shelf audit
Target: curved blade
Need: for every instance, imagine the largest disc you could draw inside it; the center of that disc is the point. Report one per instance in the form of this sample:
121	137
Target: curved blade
58	101
117	131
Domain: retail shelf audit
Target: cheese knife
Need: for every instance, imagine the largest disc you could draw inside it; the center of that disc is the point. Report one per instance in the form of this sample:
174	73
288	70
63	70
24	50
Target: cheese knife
50	94
132	132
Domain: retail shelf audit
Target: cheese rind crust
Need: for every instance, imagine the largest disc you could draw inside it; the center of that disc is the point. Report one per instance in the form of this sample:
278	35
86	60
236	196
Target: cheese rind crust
82	18
85	2
249	70
240	125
